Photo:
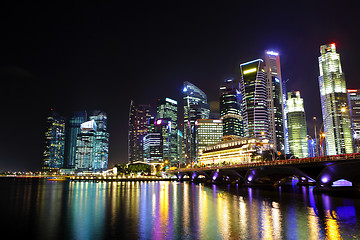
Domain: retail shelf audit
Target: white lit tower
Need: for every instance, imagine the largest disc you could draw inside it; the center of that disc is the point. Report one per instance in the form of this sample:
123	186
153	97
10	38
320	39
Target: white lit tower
334	102
275	100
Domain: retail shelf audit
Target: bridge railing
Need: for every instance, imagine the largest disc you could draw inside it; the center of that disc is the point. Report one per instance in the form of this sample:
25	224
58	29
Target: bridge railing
275	162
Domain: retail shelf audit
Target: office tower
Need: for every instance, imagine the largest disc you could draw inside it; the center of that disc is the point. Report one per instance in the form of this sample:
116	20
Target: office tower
336	121
275	100
101	141
254	94
138	117
208	131
195	107
167	110
153	148
85	144
354	105
297	125
230	108
181	148
54	142
72	130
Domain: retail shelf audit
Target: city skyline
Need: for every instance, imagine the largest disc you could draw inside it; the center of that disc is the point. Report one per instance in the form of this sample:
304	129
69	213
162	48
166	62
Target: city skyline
203	49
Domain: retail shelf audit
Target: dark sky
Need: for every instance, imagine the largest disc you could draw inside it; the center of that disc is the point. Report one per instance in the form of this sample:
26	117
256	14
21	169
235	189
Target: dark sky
100	55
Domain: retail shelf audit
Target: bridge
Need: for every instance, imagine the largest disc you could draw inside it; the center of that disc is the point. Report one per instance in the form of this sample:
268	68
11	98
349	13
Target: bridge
329	172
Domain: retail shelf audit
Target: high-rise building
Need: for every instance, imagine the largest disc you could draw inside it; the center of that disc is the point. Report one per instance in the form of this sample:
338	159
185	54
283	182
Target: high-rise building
312	146
167	110
92	145
230	108
298	144
72	131
253	86
85	147
101	141
275	100
195	107
337	126
138	119
354	104
54	142
208	131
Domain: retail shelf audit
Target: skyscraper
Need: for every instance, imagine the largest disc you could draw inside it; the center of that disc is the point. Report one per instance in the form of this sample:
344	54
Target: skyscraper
336	122
253	86
230	108
297	125
54	142
72	131
275	100
138	118
354	104
167	110
195	107
101	141
85	144
208	131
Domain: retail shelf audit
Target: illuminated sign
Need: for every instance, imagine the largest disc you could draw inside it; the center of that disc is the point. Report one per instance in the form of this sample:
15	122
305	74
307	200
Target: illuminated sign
251	70
351	90
272	53
89	125
277	80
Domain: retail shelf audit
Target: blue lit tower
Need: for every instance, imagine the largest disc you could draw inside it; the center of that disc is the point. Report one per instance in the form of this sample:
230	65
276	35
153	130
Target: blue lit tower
334	102
195	107
53	155
101	141
275	100
230	108
85	145
138	119
167	109
253	86
72	130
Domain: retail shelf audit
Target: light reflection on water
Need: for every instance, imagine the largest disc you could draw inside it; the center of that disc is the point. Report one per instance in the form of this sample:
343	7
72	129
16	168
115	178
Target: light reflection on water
172	210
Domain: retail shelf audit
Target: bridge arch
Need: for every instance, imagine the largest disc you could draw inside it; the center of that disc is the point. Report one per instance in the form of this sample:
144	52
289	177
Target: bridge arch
348	172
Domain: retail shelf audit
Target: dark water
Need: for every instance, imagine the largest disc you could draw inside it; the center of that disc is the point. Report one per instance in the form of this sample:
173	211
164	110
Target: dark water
38	209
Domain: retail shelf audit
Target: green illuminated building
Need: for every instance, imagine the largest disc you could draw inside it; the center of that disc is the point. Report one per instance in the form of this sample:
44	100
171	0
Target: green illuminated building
298	144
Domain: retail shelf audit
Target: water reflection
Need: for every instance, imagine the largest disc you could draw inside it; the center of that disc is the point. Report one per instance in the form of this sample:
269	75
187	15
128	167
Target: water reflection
172	210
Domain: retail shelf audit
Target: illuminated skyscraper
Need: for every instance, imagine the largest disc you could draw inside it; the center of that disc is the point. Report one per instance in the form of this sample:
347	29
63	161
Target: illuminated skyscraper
333	95
167	110
92	145
230	108
298	144
195	107
354	104
253	86
101	142
54	142
72	131
275	100
208	131
138	118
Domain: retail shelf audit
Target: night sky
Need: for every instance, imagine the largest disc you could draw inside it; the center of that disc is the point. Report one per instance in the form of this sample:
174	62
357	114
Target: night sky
100	55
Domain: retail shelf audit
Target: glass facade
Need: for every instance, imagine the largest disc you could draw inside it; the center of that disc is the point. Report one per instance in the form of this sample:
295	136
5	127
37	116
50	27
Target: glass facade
255	103
195	107
138	119
336	123
230	108
298	143
167	110
208	131
72	131
53	154
354	104
275	100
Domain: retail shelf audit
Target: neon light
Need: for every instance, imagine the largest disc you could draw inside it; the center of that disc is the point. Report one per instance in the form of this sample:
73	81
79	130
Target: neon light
170	101
251	70
257	60
185	89
352	90
272	53
277	80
